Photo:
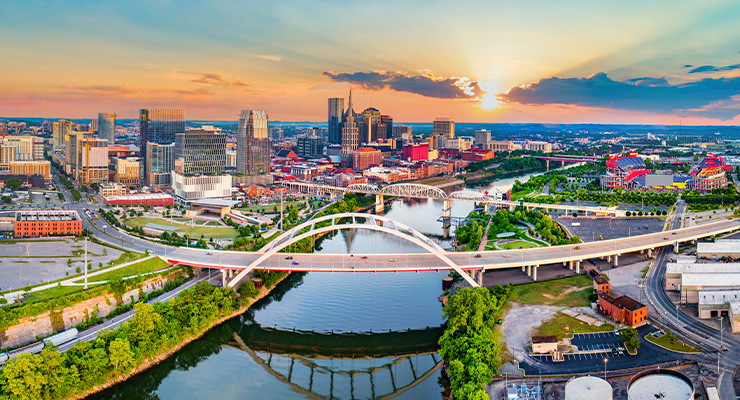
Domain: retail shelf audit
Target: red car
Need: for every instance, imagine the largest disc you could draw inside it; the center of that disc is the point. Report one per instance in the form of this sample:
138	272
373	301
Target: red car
364	257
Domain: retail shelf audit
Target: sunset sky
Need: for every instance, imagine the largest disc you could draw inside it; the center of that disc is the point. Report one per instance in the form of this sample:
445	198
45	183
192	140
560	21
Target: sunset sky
657	62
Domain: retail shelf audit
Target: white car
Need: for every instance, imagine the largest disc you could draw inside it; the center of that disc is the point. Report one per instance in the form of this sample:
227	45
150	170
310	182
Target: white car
392	260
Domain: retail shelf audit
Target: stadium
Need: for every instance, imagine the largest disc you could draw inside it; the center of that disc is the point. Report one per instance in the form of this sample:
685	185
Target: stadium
709	174
623	171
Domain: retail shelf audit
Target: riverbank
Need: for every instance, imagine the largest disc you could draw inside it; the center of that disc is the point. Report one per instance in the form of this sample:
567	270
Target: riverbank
263	292
482	178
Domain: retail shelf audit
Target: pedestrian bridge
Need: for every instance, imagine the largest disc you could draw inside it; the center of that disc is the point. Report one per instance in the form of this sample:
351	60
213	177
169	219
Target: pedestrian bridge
277	256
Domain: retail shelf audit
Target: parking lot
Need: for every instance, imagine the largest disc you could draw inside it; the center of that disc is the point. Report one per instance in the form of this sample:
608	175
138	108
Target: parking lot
591	229
601	344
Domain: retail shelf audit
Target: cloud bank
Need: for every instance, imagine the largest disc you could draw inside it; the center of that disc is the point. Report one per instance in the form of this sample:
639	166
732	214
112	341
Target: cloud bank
712	68
713	98
424	85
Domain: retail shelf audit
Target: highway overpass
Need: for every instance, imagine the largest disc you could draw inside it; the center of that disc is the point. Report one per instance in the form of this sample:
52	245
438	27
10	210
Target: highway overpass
237	264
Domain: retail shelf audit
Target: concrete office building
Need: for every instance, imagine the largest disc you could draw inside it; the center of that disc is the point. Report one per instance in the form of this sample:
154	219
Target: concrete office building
127	171
370	119
334	121
253	143
534	145
310	146
199	151
482	137
158	126
386	122
444	127
159	164
107	127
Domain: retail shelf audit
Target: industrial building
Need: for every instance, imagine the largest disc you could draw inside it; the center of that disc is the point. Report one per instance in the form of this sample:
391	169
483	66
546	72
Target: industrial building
725	248
47	222
623	309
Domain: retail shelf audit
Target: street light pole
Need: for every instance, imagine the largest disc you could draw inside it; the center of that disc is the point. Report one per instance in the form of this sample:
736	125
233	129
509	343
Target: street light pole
605	360
721	333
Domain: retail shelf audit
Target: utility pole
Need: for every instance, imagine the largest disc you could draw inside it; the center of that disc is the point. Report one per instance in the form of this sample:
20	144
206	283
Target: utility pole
85	263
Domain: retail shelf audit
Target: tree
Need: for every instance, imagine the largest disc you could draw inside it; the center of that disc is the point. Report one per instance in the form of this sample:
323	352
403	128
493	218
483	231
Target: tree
120	355
630	338
13	183
23	378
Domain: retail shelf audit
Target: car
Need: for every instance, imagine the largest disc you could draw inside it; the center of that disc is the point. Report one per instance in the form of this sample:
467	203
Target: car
665	238
616	331
577	248
507	255
392	260
477	256
615	351
673	233
209	254
364	258
289	257
295	263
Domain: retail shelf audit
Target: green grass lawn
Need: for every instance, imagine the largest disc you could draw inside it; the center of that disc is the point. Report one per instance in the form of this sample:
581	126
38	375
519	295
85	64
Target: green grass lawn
564	326
124	258
570	292
194	232
519	244
675	345
141	267
268	208
46	294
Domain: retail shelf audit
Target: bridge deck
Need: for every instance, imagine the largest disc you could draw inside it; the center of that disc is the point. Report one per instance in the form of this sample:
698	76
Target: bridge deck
426	262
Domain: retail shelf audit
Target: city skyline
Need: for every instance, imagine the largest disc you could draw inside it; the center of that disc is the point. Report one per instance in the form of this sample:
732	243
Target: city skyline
657	63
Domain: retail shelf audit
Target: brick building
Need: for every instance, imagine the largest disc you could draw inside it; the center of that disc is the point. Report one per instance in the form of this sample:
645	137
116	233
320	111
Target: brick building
416	152
366	157
46	223
623	309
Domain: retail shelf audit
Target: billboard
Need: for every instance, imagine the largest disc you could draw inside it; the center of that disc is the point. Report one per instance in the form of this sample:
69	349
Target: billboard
652	180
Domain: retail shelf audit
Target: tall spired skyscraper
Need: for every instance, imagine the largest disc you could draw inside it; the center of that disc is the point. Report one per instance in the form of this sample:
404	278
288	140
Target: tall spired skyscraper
350	133
107	127
158	126
253	143
336	109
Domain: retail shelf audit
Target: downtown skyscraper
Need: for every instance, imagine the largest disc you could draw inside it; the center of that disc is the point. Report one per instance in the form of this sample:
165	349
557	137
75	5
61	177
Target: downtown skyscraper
253	143
107	127
350	133
158	126
334	130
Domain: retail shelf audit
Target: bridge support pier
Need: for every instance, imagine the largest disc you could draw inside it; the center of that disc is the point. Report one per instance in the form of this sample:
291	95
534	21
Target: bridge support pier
534	272
223	277
529	270
570	265
650	252
616	260
547	165
480	278
379	204
562	163
578	267
524	268
675	247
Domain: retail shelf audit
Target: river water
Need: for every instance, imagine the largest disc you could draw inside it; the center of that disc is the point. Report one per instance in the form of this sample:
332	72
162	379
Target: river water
323	336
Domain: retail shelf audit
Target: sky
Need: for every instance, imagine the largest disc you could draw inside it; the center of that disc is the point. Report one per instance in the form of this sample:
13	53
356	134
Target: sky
657	62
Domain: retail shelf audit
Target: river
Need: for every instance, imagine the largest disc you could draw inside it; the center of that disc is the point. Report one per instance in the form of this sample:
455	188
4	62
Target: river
322	336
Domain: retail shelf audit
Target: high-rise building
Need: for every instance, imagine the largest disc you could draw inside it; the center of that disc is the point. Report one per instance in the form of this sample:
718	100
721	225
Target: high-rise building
159	164
158	126
127	171
201	152
60	130
402	132
350	133
482	137
191	188
444	127
310	146
371	119
387	122
27	148
92	161
253	143
336	110
107	127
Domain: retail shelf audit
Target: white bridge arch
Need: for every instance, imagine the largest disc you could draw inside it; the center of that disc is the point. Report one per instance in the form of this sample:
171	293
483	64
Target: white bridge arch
378	224
400	189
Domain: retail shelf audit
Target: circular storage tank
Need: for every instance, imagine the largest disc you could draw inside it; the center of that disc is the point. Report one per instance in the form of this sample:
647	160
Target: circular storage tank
659	384
588	388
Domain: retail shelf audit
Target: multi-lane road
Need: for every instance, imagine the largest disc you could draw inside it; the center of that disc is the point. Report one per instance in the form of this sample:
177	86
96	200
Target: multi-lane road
724	348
